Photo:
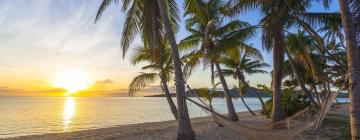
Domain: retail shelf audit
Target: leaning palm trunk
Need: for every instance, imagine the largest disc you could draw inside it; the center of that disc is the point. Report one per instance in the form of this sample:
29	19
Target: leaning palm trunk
278	45
353	60
318	98
299	78
247	107
241	78
230	106
185	131
165	87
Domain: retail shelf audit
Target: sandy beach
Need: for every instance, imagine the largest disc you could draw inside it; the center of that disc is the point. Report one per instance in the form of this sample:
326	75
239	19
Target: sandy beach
204	128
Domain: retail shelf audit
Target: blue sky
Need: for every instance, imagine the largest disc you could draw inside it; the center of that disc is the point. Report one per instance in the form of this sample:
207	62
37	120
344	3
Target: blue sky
41	38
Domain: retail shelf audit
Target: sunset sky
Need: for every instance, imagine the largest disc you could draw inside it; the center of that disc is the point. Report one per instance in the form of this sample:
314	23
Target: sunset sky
42	40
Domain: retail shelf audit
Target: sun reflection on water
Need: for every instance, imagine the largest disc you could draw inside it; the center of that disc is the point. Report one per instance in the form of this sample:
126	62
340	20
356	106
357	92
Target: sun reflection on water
68	113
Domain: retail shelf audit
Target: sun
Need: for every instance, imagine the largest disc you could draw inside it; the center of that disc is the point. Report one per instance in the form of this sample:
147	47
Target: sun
72	81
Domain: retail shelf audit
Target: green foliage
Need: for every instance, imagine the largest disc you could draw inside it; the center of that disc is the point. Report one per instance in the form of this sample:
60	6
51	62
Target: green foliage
142	18
264	88
291	102
208	94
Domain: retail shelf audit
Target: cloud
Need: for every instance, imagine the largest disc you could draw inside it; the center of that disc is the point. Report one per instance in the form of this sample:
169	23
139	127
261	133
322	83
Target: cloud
102	82
101	88
7	90
103	92
61	32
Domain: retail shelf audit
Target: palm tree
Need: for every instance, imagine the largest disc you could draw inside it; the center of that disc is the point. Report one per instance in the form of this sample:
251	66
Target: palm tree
279	16
156	19
300	47
247	62
212	38
353	61
161	68
208	95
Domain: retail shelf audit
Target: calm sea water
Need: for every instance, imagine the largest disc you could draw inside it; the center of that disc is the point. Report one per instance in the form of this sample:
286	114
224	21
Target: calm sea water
38	115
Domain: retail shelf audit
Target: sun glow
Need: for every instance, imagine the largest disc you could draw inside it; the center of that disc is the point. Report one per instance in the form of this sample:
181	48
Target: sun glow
72	81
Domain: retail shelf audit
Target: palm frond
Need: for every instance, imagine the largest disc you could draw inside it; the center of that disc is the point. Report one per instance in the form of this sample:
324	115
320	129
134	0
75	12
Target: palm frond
104	4
141	81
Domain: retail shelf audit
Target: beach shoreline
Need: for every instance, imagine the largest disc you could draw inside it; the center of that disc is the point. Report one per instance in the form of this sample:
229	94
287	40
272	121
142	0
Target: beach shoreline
204	128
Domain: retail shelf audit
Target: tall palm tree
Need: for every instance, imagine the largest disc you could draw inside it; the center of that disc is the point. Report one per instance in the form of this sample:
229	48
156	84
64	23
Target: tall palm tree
353	61
350	17
213	38
298	51
279	16
185	131
245	62
155	19
161	68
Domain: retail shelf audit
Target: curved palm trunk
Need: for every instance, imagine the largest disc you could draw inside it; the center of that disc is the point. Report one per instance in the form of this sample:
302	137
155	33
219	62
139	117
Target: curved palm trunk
353	60
247	107
242	80
230	106
299	79
278	44
326	91
185	131
173	108
318	98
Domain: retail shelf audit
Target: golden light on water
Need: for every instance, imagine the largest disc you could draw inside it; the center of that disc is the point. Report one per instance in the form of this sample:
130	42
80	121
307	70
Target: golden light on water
68	112
72	81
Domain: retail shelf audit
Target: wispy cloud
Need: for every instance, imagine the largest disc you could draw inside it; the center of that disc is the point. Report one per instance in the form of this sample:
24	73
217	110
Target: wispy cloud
43	37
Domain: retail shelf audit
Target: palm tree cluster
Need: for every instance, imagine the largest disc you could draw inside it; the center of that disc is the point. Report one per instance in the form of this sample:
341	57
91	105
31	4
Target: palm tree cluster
312	51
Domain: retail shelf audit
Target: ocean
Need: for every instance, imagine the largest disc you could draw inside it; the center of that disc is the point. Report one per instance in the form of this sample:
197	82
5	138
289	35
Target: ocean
21	116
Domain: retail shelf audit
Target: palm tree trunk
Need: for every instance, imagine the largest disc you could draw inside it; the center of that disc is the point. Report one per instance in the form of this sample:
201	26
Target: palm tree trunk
230	106
278	45
242	82
185	131
326	91
318	98
247	107
353	60
173	108
299	79
242	79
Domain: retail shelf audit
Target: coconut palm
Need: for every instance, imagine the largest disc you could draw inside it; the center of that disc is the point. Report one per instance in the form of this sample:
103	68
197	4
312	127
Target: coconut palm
155	20
211	37
348	16
208	95
279	16
161	69
338	68
245	62
299	52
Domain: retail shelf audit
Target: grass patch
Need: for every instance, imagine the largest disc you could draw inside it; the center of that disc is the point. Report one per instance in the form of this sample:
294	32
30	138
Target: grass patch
342	103
335	127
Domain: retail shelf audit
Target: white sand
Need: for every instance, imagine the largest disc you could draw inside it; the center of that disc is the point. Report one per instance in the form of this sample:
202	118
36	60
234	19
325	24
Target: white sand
205	129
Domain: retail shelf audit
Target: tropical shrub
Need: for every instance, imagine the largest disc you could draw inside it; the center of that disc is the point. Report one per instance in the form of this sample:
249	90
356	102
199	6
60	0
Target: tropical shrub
291	102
